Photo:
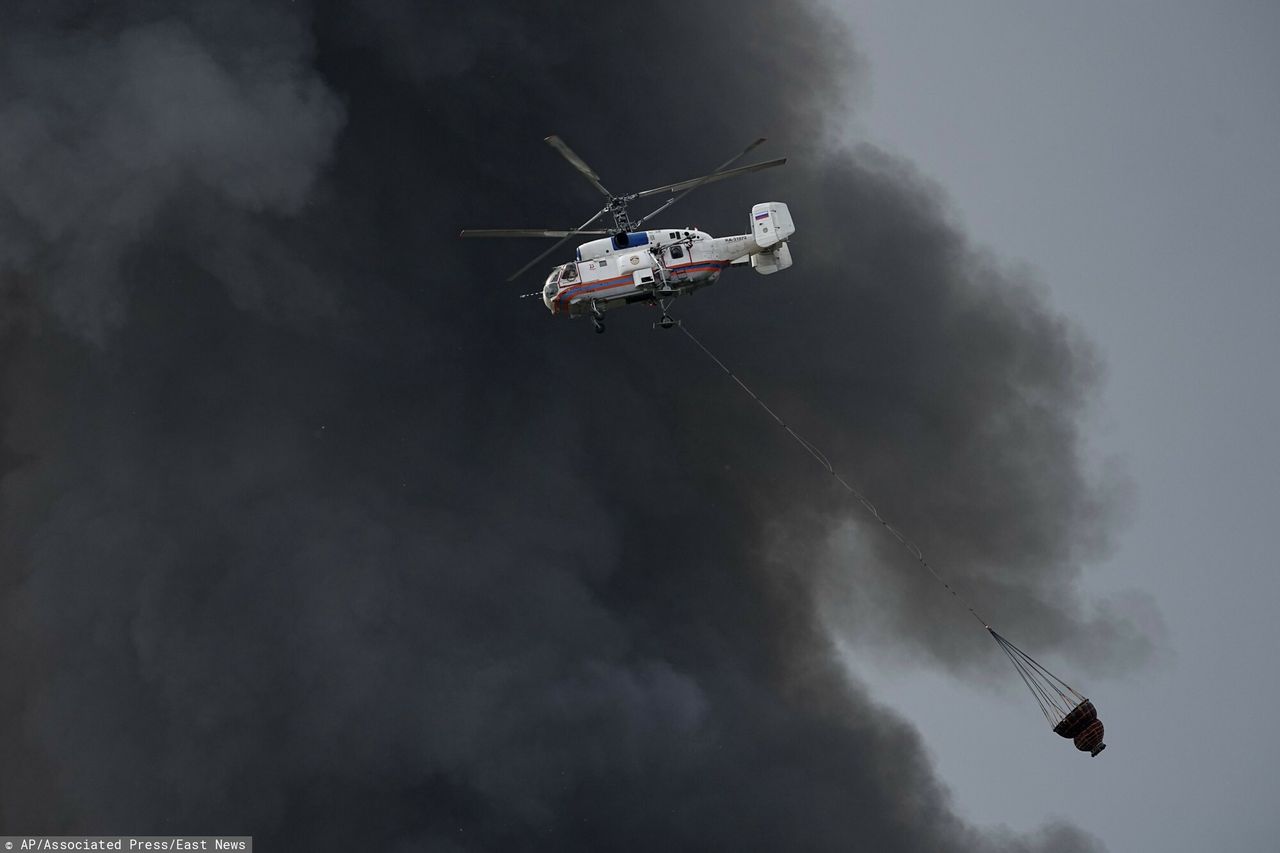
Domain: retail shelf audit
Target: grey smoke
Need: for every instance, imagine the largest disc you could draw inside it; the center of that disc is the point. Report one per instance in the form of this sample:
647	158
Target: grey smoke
327	537
102	129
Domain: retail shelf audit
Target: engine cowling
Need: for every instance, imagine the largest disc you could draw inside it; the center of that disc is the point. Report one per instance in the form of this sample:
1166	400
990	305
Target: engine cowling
629	240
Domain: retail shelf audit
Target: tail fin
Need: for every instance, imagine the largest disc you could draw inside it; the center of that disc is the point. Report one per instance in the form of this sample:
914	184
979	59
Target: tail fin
771	225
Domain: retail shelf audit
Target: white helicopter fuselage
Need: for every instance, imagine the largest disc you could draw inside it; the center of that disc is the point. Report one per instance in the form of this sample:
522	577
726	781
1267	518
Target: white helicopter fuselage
646	266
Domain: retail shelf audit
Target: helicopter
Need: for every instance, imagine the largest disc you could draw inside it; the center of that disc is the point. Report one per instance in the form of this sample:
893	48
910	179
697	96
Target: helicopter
626	265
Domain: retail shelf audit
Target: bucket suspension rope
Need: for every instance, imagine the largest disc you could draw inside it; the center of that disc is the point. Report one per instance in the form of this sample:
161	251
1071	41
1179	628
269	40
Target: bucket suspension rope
1057	699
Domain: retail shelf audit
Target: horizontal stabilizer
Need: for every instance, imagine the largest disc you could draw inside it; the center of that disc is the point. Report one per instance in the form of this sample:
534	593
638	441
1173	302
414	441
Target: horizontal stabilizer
768	263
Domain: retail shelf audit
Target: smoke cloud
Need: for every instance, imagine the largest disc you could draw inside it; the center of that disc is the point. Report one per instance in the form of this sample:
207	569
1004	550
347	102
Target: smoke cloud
311	530
107	124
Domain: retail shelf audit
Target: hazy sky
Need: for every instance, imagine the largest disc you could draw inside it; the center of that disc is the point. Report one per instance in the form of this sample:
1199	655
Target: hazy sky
1127	153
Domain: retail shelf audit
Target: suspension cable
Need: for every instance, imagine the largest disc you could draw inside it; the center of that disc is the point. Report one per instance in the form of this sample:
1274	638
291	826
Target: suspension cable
821	459
1055	697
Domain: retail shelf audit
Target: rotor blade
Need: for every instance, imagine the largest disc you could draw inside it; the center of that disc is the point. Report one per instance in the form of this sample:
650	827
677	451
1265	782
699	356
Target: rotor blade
557	244
713	177
726	164
577	163
524	232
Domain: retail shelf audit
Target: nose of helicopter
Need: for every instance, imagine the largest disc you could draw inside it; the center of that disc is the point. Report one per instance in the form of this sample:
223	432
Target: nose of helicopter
551	289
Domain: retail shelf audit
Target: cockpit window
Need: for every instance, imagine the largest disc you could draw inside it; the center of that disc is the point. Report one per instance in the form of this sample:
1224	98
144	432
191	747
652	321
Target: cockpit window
566	275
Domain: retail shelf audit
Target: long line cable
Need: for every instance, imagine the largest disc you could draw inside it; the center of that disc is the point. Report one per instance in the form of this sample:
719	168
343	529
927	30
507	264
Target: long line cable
1055	697
821	459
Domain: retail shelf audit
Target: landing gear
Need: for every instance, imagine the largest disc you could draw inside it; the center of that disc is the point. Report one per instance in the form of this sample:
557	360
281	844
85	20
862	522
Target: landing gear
666	322
599	326
597	317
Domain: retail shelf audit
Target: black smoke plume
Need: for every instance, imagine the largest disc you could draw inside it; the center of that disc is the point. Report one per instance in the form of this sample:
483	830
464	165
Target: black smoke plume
311	530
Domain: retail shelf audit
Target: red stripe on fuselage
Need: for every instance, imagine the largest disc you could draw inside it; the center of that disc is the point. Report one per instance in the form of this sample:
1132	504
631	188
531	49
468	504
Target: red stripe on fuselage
604	284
